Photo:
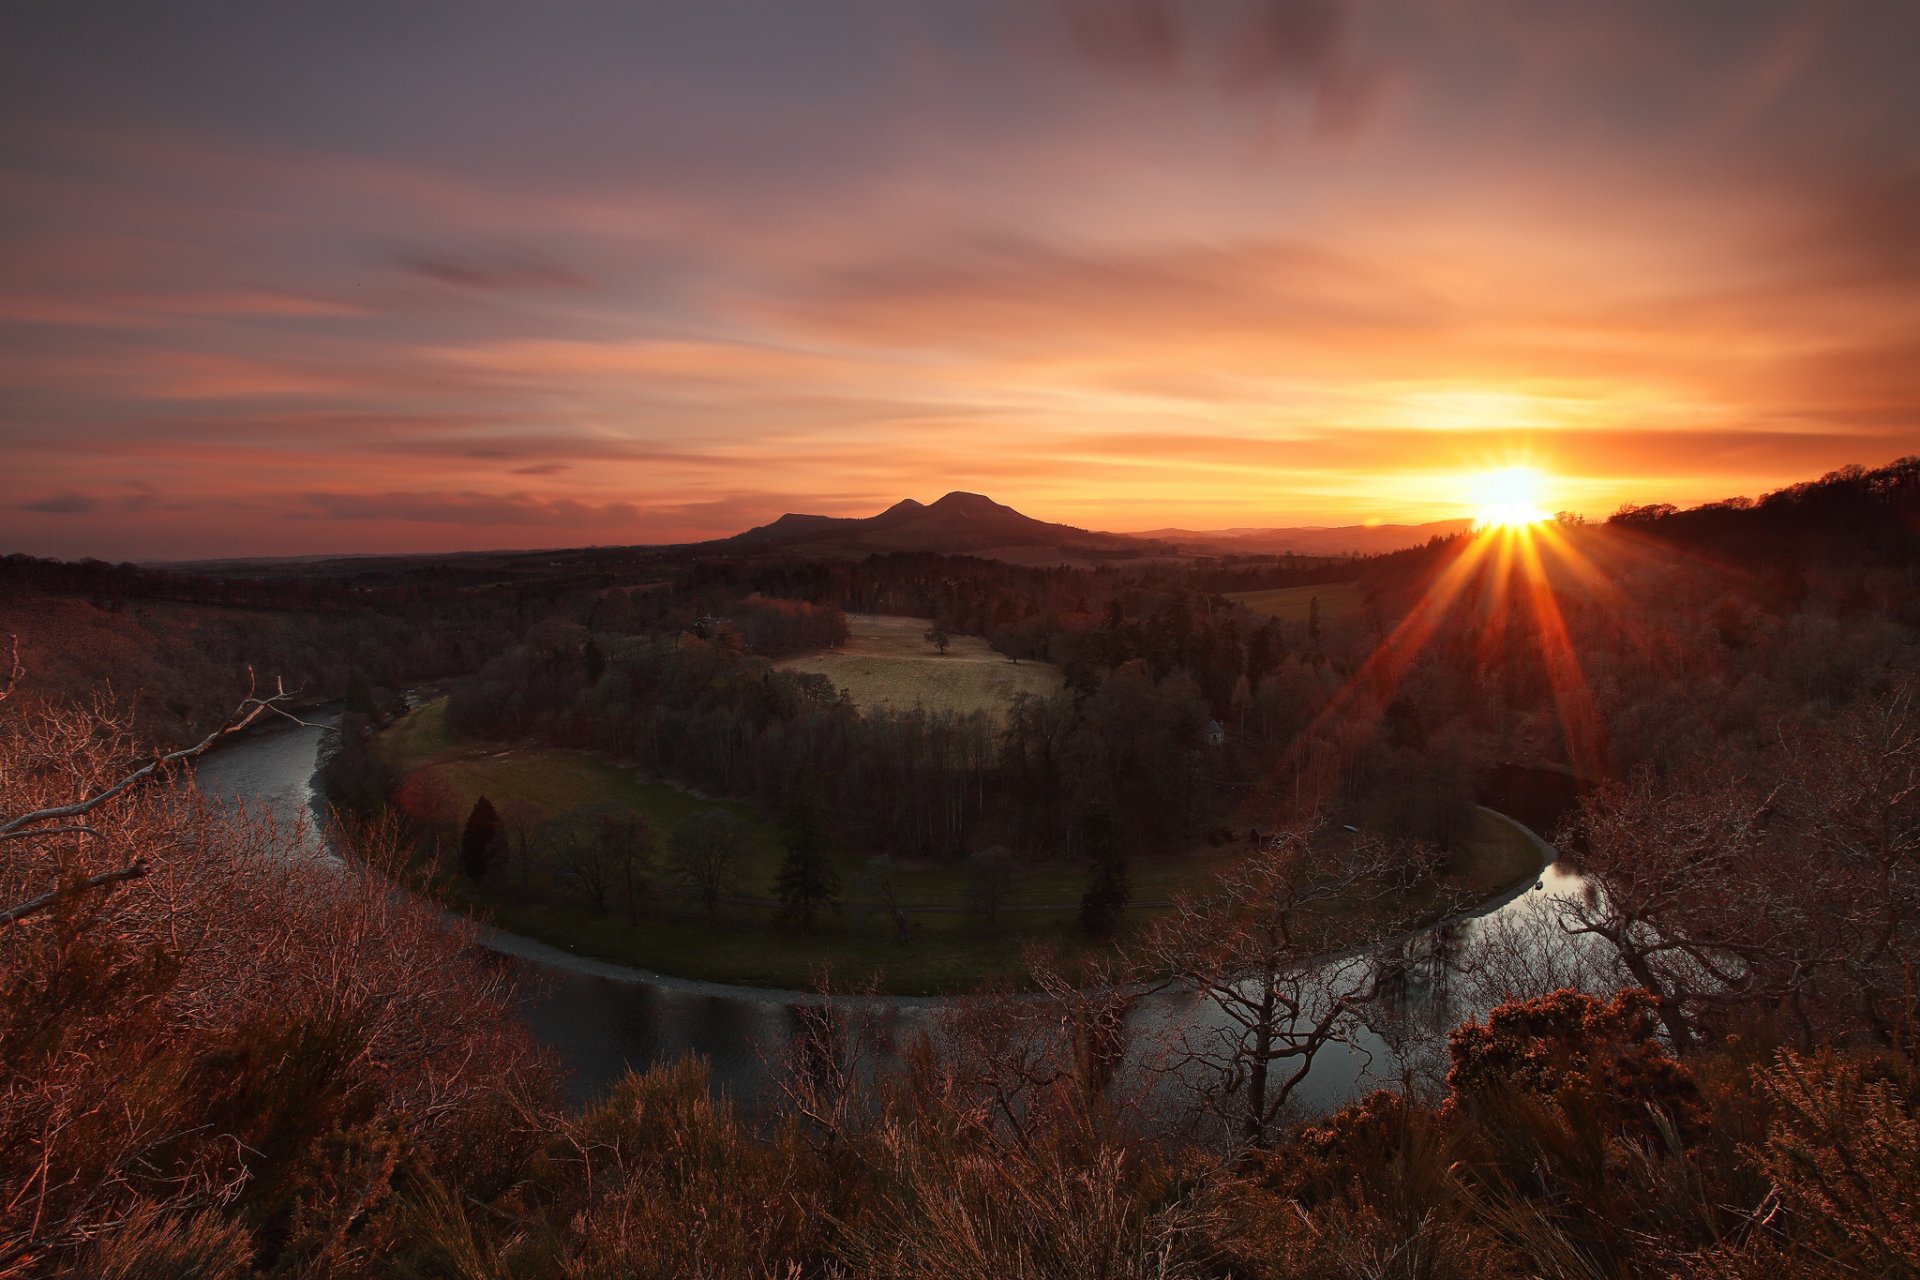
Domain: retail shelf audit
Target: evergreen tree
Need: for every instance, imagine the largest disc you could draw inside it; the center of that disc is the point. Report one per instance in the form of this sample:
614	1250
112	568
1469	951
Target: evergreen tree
1109	886
806	883
478	840
1313	621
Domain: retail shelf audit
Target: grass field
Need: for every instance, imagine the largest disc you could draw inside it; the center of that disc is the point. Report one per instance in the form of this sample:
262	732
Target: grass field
1290	604
947	949
887	662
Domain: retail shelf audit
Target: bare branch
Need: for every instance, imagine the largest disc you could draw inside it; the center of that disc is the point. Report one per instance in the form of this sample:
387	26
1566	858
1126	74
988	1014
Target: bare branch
251	708
133	871
30	833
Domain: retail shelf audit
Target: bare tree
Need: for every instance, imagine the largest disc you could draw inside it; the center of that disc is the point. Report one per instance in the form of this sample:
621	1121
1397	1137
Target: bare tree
1854	795
519	823
603	854
1028	1064
578	867
625	840
1692	896
1278	957
989	881
706	854
56	821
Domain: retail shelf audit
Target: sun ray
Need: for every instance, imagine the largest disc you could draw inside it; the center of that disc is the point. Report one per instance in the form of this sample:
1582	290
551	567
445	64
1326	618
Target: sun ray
1580	725
1384	668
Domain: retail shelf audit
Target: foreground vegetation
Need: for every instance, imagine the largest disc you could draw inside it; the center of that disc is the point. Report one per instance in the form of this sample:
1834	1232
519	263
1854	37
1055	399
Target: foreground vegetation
216	1065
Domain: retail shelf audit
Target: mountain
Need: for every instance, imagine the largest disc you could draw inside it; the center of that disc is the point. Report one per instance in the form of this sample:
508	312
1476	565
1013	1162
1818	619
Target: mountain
1350	539
958	524
974	524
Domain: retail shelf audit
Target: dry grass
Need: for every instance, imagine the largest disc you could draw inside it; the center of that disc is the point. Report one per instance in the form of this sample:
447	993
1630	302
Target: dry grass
887	662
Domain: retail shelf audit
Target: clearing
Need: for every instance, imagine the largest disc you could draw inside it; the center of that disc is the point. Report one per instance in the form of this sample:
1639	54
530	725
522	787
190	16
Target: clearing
1290	604
887	662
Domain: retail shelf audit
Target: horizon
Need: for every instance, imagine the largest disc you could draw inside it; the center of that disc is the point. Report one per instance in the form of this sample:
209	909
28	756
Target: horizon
433	279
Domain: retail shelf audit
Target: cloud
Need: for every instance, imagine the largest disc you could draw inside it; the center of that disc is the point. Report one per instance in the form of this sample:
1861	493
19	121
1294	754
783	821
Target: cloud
1001	292
541	469
65	504
502	268
517	509
1235	46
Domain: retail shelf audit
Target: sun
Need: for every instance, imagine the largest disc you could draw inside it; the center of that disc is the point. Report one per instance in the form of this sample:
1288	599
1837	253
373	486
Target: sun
1507	498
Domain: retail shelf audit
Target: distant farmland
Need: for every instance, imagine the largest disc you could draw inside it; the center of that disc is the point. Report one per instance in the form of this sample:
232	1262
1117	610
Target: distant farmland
887	662
1290	604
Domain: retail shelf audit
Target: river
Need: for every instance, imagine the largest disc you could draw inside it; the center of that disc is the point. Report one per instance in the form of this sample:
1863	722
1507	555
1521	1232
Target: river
599	1019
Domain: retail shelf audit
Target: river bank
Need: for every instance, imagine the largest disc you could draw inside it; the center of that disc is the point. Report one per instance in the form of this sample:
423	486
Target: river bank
599	1019
908	929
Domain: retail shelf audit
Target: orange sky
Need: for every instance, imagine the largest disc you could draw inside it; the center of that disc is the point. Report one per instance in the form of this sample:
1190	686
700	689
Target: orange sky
425	277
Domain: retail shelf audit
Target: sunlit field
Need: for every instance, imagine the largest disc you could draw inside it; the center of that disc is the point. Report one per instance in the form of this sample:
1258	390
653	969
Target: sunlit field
1295	604
888	662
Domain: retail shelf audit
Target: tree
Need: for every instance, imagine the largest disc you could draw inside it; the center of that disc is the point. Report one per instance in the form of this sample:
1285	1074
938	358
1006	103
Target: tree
578	862
624	840
1109	886
603	852
479	839
989	880
1313	621
519	823
1257	948
937	636
704	856
807	883
1649	847
1854	793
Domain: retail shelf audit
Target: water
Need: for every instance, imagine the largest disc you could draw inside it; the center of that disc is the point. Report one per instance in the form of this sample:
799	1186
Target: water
600	1019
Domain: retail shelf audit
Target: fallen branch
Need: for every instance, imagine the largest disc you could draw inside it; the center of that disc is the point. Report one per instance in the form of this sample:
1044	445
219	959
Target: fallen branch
133	871
33	833
251	708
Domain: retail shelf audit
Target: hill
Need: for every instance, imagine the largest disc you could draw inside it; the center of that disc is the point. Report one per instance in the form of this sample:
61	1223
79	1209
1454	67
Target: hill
957	524
1341	540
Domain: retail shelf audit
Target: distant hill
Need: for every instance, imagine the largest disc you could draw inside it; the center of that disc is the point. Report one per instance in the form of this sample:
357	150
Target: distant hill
1350	539
958	524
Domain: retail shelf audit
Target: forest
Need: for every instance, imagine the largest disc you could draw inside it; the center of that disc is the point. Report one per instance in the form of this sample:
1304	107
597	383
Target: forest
217	1062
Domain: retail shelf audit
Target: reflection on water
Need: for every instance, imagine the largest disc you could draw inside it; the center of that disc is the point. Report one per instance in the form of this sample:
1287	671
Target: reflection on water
600	1019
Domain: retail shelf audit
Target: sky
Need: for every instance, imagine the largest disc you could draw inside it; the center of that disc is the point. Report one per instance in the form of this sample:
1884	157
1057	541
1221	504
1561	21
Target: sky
292	279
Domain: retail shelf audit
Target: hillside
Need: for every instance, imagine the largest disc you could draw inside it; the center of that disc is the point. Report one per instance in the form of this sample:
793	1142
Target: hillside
1341	540
959	523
